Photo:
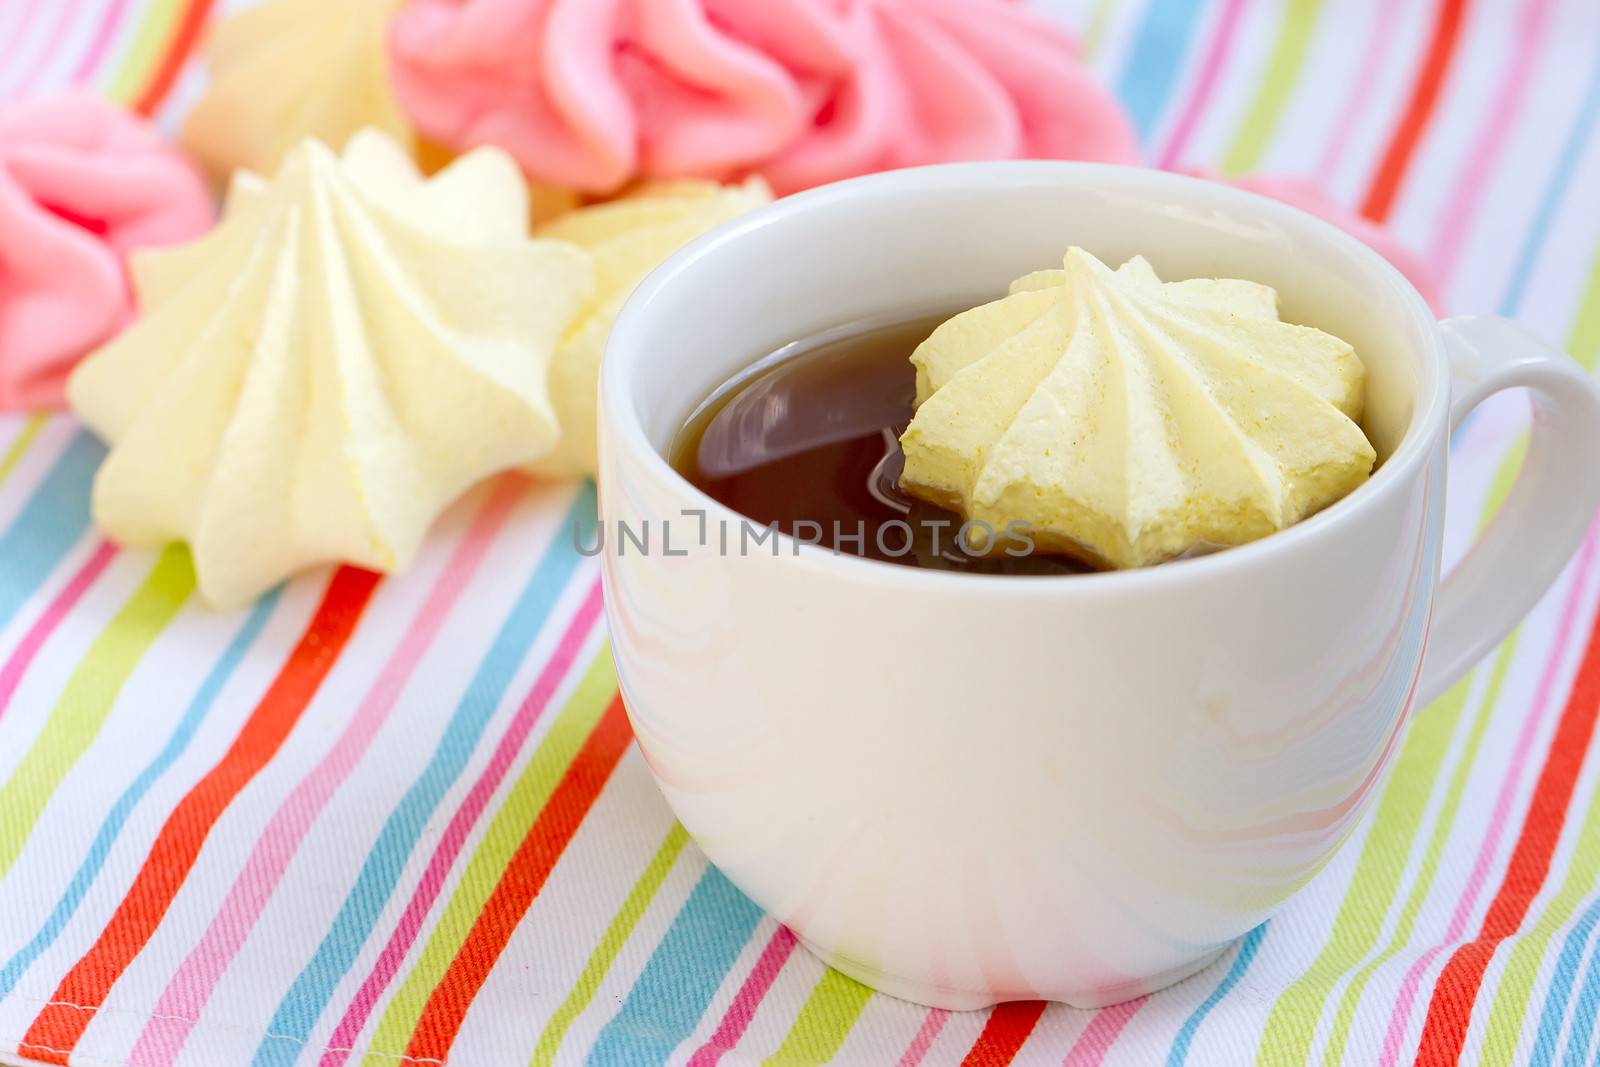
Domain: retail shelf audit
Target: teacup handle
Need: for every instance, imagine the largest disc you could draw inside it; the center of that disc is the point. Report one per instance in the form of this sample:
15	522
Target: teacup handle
1543	520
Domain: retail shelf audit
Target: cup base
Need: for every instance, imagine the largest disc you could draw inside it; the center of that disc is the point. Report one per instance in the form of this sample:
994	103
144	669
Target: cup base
933	996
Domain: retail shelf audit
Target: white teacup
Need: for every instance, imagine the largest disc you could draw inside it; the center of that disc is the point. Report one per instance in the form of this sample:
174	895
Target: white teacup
964	789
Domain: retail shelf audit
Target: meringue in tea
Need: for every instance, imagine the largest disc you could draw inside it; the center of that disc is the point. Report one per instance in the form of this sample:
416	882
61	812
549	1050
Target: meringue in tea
805	442
1090	420
1127	421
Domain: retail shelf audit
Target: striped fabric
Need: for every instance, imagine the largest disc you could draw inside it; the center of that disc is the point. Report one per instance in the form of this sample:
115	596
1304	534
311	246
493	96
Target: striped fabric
401	820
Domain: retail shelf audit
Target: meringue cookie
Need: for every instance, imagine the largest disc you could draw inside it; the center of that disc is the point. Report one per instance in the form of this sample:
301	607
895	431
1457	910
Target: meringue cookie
314	381
628	238
291	69
545	202
1127	421
938	81
594	93
81	183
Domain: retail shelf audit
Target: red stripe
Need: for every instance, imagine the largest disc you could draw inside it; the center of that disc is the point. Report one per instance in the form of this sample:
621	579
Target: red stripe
524	876
1008	1027
1424	95
1450	1011
178	49
58	1028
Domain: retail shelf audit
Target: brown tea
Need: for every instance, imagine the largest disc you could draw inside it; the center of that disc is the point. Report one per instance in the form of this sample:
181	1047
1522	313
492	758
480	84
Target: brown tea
807	440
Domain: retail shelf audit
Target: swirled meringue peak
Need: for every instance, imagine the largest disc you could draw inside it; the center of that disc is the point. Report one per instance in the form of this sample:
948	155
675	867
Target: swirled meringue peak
593	94
597	93
914	82
628	238
286	70
318	378
1127	421
82	183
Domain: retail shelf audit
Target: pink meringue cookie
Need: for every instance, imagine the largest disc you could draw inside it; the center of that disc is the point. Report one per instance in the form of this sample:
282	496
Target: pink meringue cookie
82	182
595	93
936	81
1309	197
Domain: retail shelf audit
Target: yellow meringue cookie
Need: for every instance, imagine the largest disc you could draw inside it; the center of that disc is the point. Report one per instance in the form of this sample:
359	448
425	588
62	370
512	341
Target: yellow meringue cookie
629	238
1127	421
286	70
347	352
545	202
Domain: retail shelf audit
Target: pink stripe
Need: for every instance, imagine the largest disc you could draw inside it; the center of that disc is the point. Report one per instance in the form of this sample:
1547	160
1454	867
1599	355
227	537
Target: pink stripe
10	58
1488	149
190	988
66	16
747	1000
1373	57
1101	1033
1210	70
107	31
455	835
20	35
18	31
11	674
1531	725
927	1034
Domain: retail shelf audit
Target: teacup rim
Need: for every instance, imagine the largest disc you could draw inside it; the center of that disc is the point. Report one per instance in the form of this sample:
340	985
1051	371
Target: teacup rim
1394	475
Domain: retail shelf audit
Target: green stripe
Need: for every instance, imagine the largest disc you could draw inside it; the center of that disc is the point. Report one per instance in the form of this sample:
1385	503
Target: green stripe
1292	1023
1584	342
144	51
87	699
1096	31
1277	85
510	825
19	446
611	942
824	1022
1442	826
1504	478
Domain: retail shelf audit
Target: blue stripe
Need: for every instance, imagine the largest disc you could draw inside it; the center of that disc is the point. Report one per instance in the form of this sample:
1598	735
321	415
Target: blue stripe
50	523
1559	992
1154	61
1583	1018
308	997
1554	193
684	972
89	869
1241	963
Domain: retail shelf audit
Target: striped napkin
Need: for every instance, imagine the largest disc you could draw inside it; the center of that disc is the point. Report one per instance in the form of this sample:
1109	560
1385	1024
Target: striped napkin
402	821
